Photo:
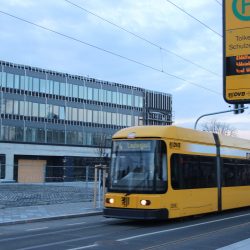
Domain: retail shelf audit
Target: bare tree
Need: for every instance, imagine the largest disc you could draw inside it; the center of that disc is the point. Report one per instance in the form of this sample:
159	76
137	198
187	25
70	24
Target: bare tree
219	128
102	142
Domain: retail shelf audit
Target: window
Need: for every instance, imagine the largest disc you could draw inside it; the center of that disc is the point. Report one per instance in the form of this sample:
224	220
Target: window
119	101
96	95
74	114
61	137
75	91
85	92
61	113
15	108
136	120
68	113
72	137
89	116
114	119
42	85
79	138
5	133
100	117
104	117
124	120
42	110
56	88
114	97
102	95
19	134
10	80
138	166
62	88
89	139
3	105
109	96
136	101
35	110
100	98
49	136
16	83
129	100
12	133
108	118
140	102
40	137
81	92
129	120
22	82
30	135
90	93
235	172
47	85
193	171
49	111
36	84
80	115
95	116
3	79
56	112
85	115
29	83
9	107
21	108
51	87
124	99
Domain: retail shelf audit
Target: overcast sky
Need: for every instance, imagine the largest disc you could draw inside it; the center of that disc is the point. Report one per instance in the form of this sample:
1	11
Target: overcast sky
168	50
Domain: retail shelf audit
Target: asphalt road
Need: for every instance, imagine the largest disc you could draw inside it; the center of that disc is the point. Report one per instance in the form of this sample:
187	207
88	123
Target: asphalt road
96	232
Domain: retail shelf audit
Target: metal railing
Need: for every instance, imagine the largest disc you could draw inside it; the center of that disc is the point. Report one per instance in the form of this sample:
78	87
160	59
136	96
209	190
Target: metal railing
52	185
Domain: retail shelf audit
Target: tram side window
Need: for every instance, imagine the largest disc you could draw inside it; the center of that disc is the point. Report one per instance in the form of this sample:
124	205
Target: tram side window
192	171
235	172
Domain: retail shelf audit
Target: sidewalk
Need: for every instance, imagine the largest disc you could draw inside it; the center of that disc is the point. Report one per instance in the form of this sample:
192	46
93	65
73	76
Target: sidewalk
15	215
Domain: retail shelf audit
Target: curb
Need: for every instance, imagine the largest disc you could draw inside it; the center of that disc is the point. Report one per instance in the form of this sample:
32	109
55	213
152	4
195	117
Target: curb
67	216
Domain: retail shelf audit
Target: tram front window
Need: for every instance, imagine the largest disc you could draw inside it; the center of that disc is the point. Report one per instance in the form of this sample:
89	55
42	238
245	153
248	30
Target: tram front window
138	166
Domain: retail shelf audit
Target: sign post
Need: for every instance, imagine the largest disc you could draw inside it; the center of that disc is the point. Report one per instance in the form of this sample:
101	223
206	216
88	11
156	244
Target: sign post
236	50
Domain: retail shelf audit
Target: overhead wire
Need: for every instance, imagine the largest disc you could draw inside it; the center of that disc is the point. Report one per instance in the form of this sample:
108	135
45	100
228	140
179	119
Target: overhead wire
196	19
142	38
107	51
218	2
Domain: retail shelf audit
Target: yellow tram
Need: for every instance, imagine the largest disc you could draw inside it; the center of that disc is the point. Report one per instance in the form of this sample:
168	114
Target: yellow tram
160	172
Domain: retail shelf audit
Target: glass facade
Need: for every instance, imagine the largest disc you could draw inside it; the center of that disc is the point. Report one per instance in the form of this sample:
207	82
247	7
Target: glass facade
42	106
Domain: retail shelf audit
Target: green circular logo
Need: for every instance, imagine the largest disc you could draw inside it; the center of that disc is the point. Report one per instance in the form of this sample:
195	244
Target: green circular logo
240	8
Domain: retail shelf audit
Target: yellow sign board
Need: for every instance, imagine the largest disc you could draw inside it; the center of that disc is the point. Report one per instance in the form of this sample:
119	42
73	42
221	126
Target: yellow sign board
236	51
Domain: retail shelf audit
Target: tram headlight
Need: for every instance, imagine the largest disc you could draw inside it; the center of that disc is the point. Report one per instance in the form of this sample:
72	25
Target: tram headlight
145	202
110	200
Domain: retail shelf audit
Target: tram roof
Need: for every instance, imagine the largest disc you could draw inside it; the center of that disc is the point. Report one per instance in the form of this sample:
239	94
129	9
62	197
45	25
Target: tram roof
178	133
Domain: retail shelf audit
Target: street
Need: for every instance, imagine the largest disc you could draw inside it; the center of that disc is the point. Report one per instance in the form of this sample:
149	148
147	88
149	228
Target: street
96	232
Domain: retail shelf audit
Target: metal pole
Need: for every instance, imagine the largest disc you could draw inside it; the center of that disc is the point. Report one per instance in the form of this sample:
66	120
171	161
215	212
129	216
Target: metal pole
104	181
95	187
216	113
99	186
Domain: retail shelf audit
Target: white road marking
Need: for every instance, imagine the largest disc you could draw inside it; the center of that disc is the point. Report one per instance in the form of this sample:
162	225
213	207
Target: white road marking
180	228
241	245
61	242
83	247
35	229
78	223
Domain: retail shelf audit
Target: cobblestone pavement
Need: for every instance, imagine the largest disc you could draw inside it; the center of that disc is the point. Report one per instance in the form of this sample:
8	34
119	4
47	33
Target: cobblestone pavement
19	195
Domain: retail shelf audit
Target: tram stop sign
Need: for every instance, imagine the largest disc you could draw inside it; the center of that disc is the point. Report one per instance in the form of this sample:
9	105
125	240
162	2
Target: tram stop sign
236	47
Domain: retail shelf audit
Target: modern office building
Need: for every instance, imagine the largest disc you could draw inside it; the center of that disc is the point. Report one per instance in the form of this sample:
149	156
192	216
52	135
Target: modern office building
50	118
